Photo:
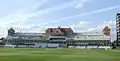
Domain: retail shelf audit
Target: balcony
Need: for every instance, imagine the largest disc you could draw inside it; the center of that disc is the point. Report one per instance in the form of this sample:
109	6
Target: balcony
118	36
118	25
92	38
118	33
118	16
118	30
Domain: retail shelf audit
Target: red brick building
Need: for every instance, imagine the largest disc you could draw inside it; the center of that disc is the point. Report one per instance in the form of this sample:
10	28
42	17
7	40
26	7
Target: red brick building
106	31
59	31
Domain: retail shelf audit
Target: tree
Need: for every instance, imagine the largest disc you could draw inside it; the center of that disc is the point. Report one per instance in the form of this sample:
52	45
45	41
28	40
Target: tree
3	42
113	45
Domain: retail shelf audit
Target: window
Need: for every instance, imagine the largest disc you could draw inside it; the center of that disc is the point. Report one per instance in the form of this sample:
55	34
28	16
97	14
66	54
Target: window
118	30
118	19
57	31
51	30
57	38
118	33
118	24
118	16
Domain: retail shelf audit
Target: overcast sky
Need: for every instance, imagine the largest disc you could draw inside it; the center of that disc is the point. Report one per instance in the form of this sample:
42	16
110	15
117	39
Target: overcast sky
37	15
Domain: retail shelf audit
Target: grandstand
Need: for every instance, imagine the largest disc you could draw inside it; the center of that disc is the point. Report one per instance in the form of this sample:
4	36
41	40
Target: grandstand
58	38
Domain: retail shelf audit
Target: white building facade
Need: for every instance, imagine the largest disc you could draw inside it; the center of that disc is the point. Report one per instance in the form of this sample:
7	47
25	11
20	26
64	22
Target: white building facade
41	40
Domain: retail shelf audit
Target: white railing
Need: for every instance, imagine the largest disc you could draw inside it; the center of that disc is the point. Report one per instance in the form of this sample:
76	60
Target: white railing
92	38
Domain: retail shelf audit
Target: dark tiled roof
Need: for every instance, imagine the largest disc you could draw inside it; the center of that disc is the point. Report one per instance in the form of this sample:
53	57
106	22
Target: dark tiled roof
66	30
59	30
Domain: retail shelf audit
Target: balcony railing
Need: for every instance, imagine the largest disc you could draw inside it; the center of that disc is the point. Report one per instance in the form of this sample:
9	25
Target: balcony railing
92	38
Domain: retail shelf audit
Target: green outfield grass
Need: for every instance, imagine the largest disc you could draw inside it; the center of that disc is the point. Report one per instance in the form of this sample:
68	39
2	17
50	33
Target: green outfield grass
59	55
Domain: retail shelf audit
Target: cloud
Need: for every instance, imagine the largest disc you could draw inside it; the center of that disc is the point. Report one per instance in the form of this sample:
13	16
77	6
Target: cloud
19	17
100	10
51	9
80	3
32	4
73	3
15	18
39	4
82	23
85	14
81	26
2	31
